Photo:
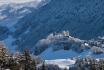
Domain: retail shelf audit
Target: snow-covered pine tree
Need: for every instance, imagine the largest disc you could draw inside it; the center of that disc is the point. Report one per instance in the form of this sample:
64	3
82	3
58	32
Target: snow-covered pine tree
43	66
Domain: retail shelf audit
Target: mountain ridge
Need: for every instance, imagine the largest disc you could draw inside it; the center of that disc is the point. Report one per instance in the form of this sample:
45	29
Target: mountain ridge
83	19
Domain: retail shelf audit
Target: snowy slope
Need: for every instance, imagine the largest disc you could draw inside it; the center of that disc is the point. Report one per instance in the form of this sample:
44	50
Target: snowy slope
9	45
2	2
62	63
49	54
11	11
66	58
61	54
83	19
64	46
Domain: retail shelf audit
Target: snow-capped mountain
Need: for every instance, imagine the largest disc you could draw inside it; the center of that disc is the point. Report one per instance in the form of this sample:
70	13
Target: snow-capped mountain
11	12
59	31
83	19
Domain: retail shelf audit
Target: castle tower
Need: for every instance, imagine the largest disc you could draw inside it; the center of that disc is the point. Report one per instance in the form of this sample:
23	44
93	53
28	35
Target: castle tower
66	33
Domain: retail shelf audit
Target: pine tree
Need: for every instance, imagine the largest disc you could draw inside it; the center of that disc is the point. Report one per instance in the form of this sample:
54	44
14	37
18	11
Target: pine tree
3	54
35	68
65	68
27	54
66	47
27	59
43	66
93	66
33	65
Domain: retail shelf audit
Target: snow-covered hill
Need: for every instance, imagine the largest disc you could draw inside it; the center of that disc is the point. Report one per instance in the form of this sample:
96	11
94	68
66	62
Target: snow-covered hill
83	19
64	46
37	25
49	54
64	50
62	63
11	11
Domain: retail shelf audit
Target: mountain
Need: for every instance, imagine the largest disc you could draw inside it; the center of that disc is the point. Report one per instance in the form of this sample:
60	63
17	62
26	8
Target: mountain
83	19
61	32
11	12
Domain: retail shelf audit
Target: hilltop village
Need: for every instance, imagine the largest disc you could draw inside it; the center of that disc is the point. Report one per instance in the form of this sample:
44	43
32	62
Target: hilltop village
27	61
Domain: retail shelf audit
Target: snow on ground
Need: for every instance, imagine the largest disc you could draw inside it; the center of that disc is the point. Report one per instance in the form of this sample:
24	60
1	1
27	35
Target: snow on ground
65	59
11	11
2	2
62	63
9	22
3	17
50	54
8	42
60	58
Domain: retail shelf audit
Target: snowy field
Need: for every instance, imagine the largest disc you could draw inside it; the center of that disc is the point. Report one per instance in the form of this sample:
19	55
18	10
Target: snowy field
62	63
